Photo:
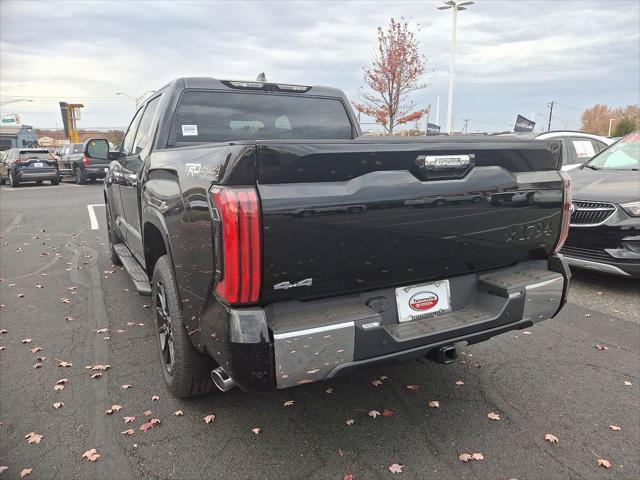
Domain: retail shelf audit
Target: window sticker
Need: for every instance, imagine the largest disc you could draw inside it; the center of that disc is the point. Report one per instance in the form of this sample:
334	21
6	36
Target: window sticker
189	130
584	148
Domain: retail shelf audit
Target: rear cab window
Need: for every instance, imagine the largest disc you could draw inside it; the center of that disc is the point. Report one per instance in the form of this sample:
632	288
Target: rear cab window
214	116
34	155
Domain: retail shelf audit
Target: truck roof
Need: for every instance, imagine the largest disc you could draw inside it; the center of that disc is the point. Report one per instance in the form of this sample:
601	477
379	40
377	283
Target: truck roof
217	84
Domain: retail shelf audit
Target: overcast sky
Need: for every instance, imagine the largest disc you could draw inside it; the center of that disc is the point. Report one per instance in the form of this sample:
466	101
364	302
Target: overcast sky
513	56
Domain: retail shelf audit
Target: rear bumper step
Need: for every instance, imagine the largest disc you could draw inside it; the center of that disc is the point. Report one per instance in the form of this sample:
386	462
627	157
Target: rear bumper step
134	269
316	340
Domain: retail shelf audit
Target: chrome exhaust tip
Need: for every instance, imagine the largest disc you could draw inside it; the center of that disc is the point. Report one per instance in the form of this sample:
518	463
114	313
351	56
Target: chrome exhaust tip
221	380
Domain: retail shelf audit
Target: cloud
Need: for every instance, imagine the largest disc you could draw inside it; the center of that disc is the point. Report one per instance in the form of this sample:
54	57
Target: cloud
512	57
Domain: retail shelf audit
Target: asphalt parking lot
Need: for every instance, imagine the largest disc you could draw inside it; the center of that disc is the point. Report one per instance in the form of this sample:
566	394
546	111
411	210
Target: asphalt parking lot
60	290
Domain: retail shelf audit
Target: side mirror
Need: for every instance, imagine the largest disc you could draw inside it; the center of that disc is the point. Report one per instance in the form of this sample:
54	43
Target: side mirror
97	148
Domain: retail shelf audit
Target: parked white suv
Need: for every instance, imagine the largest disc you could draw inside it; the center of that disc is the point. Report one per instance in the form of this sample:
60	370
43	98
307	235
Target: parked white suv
577	147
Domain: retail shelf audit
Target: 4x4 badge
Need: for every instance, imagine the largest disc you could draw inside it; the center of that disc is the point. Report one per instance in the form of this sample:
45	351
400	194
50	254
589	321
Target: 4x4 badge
287	285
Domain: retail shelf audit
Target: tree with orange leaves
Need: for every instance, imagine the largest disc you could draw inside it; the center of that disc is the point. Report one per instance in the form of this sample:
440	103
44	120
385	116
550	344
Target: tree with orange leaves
397	70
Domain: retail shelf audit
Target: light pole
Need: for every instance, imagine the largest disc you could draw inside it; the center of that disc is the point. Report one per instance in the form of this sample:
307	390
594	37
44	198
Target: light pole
455	6
136	99
438	110
14	101
610	125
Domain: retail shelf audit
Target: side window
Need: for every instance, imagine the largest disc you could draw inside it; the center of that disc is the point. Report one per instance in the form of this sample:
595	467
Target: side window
598	145
145	135
127	143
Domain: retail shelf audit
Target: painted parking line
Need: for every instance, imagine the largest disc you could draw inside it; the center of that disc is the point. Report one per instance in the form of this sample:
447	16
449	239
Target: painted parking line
92	215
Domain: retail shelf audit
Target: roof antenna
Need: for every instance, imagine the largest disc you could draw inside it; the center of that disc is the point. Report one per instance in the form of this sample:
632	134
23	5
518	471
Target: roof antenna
261	78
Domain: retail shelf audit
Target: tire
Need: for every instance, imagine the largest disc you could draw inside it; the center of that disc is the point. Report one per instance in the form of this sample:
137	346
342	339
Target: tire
55	181
81	178
2	180
38	182
186	372
13	181
113	240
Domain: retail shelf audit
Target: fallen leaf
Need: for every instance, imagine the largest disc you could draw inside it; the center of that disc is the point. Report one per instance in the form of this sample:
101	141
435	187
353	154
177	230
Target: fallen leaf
615	428
493	416
131	431
91	455
148	425
477	456
3	468
376	382
130	324
62	381
37	365
58	405
587	315
25	472
329	390
178	413
96	375
116	408
21	295
383	377
599	293
41	359
68	318
3	331
155	398
459	382
102	330
27	340
387	413
412	387
125	387
604	463
628	383
349	476
33	437
209	418
58	387
256	430
601	347
65	364
288	403
36	350
526	332
374	413
464	457
147	413
395	468
120	330
434	404
350	422
38	285
64	300
145	306
129	419
101	367
550	438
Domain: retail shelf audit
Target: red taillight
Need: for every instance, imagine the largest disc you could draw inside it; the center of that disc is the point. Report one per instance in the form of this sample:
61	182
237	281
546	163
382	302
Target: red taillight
85	161
566	211
238	244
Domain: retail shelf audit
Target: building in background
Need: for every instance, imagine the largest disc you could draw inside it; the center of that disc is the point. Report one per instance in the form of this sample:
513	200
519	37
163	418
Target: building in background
17	136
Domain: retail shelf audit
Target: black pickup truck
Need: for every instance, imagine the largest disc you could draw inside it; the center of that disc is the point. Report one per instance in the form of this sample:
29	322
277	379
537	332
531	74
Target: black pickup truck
280	247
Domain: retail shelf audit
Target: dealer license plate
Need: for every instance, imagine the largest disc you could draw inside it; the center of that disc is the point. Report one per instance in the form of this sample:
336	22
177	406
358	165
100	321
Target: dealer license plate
423	301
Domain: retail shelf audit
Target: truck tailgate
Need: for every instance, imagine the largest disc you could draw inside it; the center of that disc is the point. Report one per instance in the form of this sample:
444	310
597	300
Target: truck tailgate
341	217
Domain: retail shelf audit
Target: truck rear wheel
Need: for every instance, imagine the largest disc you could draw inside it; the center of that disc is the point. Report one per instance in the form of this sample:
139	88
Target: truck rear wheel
185	371
81	178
